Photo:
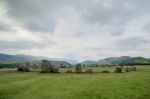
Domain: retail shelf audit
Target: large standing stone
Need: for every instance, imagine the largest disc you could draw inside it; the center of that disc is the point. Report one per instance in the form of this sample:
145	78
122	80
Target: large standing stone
105	71
35	66
89	71
132	68
54	70
27	67
69	71
20	68
24	67
46	66
127	69
78	68
118	69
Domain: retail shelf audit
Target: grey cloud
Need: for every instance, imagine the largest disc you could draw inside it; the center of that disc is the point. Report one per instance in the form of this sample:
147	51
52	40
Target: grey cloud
35	15
119	11
42	15
118	15
38	15
96	49
133	43
5	27
40	26
22	44
112	17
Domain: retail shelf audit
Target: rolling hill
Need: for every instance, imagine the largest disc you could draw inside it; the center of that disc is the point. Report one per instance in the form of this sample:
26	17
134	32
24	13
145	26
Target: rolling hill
107	61
5	58
89	62
19	58
124	60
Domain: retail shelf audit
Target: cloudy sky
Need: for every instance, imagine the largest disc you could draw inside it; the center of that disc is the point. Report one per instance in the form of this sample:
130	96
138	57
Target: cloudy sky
75	29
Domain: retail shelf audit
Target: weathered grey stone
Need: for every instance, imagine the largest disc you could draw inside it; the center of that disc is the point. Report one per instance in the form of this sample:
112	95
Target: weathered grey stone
34	66
55	70
89	71
24	67
69	71
20	68
78	68
118	69
105	71
27	67
127	69
46	66
132	68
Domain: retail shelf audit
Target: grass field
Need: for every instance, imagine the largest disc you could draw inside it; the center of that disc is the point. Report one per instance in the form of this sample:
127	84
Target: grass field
34	85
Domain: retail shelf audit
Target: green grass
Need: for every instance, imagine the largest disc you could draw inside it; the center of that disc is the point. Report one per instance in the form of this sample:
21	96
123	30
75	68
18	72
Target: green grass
34	85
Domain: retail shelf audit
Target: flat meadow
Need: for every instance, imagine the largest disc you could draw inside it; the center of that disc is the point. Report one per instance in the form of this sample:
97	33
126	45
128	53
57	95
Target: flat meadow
35	85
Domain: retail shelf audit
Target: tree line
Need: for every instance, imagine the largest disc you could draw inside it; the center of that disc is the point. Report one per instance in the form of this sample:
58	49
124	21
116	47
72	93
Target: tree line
9	65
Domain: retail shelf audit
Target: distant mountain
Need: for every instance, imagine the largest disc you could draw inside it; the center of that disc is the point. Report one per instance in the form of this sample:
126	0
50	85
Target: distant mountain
89	62
55	63
19	57
30	57
107	61
124	60
59	63
71	61
33	59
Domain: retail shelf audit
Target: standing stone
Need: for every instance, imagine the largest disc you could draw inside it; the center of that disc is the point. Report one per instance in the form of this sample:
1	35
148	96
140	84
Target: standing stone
78	68
20	68
133	68
118	69
105	71
24	67
69	71
127	69
89	71
27	67
83	65
35	66
46	66
54	70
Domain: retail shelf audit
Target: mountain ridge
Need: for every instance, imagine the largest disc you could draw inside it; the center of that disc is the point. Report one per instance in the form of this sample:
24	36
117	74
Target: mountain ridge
106	61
